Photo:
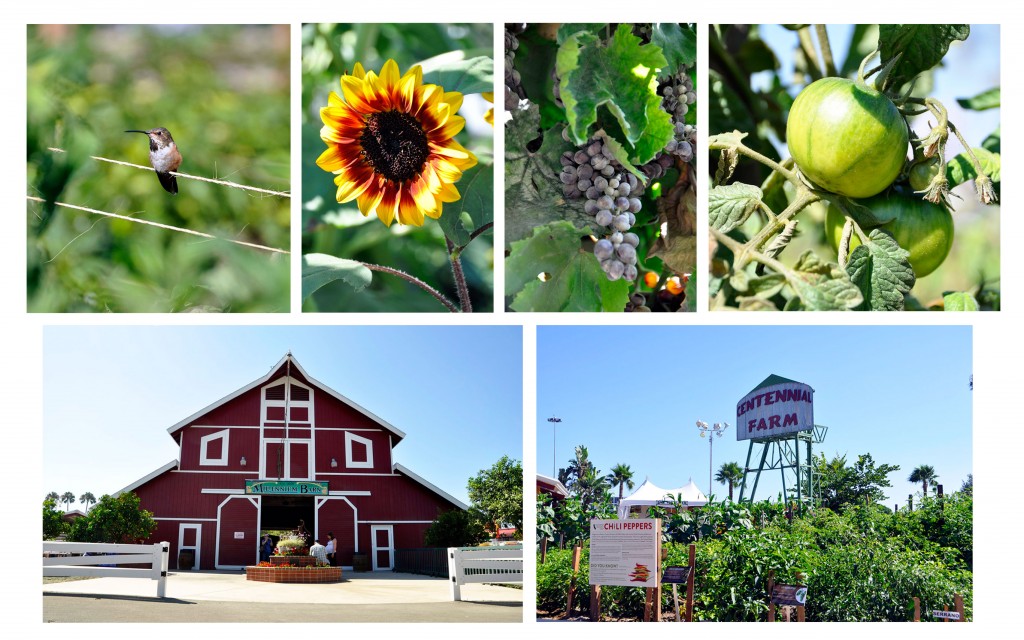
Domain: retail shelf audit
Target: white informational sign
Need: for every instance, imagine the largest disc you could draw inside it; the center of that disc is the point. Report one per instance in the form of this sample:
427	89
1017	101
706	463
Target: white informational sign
625	552
946	615
239	535
776	410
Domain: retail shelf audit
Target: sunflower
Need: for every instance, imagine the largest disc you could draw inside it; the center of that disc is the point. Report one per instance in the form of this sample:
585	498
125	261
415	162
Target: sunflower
489	116
390	143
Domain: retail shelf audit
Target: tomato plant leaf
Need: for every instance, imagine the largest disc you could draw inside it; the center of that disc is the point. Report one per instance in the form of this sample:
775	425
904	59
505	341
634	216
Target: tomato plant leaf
821	286
730	205
621	76
881	270
923	46
533	196
993	141
475	75
960	169
864	216
319	269
477	188
959	301
572	281
678	43
984	100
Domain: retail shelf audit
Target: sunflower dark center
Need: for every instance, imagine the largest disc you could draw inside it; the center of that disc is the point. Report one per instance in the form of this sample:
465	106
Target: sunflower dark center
395	145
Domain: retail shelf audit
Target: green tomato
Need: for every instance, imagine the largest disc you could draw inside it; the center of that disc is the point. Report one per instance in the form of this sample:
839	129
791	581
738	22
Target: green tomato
847	137
922	228
922	173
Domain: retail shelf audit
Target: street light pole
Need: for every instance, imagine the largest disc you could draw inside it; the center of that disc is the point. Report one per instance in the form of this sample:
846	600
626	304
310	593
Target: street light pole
712	431
554	467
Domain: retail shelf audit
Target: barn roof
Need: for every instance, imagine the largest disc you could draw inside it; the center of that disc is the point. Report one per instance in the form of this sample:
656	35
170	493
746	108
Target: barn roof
412	476
270	376
143	480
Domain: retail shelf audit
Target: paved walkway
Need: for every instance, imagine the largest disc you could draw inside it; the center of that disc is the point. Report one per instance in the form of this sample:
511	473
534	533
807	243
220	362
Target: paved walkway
214	596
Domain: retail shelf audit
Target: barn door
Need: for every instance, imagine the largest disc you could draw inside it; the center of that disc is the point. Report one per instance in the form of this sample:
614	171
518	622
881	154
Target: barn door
189	536
382	546
291	460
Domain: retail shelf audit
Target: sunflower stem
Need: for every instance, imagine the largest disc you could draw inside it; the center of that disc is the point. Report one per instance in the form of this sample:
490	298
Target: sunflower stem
459	275
416	281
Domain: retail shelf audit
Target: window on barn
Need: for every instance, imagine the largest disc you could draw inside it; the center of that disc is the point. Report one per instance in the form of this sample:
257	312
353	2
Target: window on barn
358	451
213	449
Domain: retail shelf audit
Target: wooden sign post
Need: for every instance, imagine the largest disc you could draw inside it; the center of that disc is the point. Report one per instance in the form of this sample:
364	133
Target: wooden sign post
572	581
956	615
682	575
543	550
626	553
786	596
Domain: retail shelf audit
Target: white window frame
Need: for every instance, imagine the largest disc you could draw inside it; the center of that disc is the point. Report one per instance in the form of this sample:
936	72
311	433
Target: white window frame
350	462
204	443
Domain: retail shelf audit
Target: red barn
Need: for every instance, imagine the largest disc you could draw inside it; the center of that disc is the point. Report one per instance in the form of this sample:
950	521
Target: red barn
284	448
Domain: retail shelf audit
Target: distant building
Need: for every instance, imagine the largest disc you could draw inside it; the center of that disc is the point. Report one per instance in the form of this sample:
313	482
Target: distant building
282	449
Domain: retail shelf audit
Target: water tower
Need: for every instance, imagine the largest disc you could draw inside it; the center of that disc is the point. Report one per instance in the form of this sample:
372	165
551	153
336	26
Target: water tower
777	418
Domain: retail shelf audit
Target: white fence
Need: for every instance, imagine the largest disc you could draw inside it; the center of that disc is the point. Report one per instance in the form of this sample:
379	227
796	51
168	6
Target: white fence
494	565
70	559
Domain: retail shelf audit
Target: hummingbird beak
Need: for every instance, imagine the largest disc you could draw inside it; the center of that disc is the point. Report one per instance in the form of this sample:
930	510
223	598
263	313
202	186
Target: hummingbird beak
136	131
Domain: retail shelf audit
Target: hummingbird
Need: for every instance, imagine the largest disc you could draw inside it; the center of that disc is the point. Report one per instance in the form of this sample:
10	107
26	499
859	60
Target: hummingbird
163	155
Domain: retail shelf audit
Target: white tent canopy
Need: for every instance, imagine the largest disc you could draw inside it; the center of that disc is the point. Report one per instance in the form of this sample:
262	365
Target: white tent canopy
649	494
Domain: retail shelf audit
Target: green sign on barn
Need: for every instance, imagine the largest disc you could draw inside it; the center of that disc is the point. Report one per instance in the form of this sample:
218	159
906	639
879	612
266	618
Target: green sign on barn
286	487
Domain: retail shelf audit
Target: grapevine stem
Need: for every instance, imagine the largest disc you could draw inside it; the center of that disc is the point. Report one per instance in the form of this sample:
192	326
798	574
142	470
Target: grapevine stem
826	50
460	277
808	48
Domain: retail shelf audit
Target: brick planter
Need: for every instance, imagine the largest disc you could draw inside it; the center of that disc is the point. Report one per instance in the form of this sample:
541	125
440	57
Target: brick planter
298	561
289	575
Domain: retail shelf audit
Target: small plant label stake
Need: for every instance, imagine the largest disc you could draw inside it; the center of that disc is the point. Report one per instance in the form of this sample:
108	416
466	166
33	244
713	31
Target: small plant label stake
957	615
682	575
572	581
626	553
785	595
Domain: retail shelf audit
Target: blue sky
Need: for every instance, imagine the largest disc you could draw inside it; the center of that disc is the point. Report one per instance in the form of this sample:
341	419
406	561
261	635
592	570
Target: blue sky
111	392
633	395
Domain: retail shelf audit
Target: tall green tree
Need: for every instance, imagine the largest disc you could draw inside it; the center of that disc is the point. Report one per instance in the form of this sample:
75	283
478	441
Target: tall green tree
842	485
622	476
497	494
115	520
67	499
925	474
87	499
455	528
730	473
53	495
967	486
53	519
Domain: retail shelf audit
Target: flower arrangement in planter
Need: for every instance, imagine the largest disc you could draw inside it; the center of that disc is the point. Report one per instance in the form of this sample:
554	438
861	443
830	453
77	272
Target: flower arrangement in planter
291	545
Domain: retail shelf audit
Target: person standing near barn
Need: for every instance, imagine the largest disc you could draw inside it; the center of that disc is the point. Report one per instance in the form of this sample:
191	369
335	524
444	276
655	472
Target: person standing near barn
332	545
319	552
266	548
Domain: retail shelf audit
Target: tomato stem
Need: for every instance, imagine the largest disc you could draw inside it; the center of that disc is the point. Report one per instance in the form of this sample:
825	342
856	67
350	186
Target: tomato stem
807	45
826	50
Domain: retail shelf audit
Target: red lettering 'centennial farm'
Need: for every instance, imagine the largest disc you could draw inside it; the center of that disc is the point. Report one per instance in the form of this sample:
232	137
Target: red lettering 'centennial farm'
774	408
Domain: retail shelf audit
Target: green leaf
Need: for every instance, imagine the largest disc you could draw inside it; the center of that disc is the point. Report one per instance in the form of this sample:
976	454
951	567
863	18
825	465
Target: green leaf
677	43
726	109
621	155
569	29
475	75
620	76
821	286
533	193
881	270
573	278
960	169
319	269
923	46
959	301
477	188
729	206
984	100
754	56
993	141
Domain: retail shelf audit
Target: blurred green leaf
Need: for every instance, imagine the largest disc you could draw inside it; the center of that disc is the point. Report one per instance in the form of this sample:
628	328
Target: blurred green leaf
319	269
959	301
984	100
477	187
677	42
475	75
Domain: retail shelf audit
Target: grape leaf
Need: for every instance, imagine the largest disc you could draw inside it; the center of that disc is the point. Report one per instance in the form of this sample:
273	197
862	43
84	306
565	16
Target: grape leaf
477	189
922	47
572	28
621	76
319	269
475	75
730	205
881	270
960	169
677	43
533	193
573	279
984	100
959	301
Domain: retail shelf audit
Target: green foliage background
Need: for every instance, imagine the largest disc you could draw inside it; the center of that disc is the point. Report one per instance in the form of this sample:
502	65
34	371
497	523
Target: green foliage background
328	51
223	92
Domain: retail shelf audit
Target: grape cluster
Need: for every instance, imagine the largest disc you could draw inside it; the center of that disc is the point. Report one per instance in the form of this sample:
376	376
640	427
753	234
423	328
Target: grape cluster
513	81
613	198
637	303
677	95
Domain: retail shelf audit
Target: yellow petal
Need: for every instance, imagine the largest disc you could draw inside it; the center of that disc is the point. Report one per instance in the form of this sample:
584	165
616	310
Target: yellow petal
454	100
449	193
349	189
422	196
358	72
355	94
408	211
450	128
331	159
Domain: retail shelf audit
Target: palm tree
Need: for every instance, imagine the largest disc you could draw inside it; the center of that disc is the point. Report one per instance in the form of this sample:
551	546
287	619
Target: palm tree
53	495
67	499
87	499
924	474
622	476
729	473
